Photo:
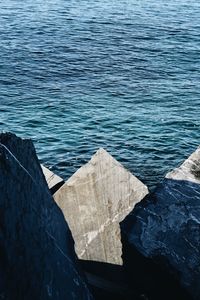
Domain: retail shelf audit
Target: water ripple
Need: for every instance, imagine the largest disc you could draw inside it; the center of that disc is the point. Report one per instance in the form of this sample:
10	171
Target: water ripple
124	75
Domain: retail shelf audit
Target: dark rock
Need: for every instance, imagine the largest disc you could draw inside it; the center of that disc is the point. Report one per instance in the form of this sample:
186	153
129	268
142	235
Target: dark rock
109	281
161	237
37	258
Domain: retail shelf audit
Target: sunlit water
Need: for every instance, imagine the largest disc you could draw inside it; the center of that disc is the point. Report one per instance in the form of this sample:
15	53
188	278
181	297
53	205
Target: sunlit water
123	75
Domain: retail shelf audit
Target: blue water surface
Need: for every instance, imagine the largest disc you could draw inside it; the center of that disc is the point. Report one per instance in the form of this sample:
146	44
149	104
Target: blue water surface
76	75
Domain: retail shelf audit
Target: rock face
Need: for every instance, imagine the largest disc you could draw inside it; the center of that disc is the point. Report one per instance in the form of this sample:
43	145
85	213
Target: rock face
189	170
101	194
37	258
54	181
161	236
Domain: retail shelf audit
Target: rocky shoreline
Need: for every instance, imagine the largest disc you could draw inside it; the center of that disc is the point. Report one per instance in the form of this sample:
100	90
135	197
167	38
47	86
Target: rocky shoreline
129	243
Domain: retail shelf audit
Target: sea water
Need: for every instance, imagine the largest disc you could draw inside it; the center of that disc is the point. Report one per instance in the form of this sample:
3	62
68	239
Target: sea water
76	75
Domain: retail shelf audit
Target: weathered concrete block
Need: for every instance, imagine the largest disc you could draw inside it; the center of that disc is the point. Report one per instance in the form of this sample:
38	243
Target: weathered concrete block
161	236
54	181
37	258
189	170
94	200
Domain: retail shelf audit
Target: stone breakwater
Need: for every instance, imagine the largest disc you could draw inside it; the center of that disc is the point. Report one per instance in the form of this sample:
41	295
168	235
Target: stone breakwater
129	243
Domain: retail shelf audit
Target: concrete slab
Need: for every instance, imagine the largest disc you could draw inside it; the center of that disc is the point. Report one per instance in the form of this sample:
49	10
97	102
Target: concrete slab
94	200
54	181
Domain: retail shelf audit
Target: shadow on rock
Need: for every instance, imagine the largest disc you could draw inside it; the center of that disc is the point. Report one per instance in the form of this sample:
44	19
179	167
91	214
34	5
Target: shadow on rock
37	258
161	241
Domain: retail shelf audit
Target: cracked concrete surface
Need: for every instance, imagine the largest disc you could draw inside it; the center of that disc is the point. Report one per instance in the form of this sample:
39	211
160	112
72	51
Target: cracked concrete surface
94	200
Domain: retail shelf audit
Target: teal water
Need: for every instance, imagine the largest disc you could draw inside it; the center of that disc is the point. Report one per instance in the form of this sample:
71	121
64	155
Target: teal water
77	75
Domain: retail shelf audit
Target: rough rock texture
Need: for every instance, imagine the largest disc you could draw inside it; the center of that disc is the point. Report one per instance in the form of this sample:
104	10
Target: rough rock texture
189	170
37	258
54	181
161	236
101	194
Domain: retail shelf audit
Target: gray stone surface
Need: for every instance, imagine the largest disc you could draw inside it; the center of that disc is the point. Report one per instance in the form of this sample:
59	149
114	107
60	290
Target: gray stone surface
189	170
37	258
54	181
94	200
161	236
